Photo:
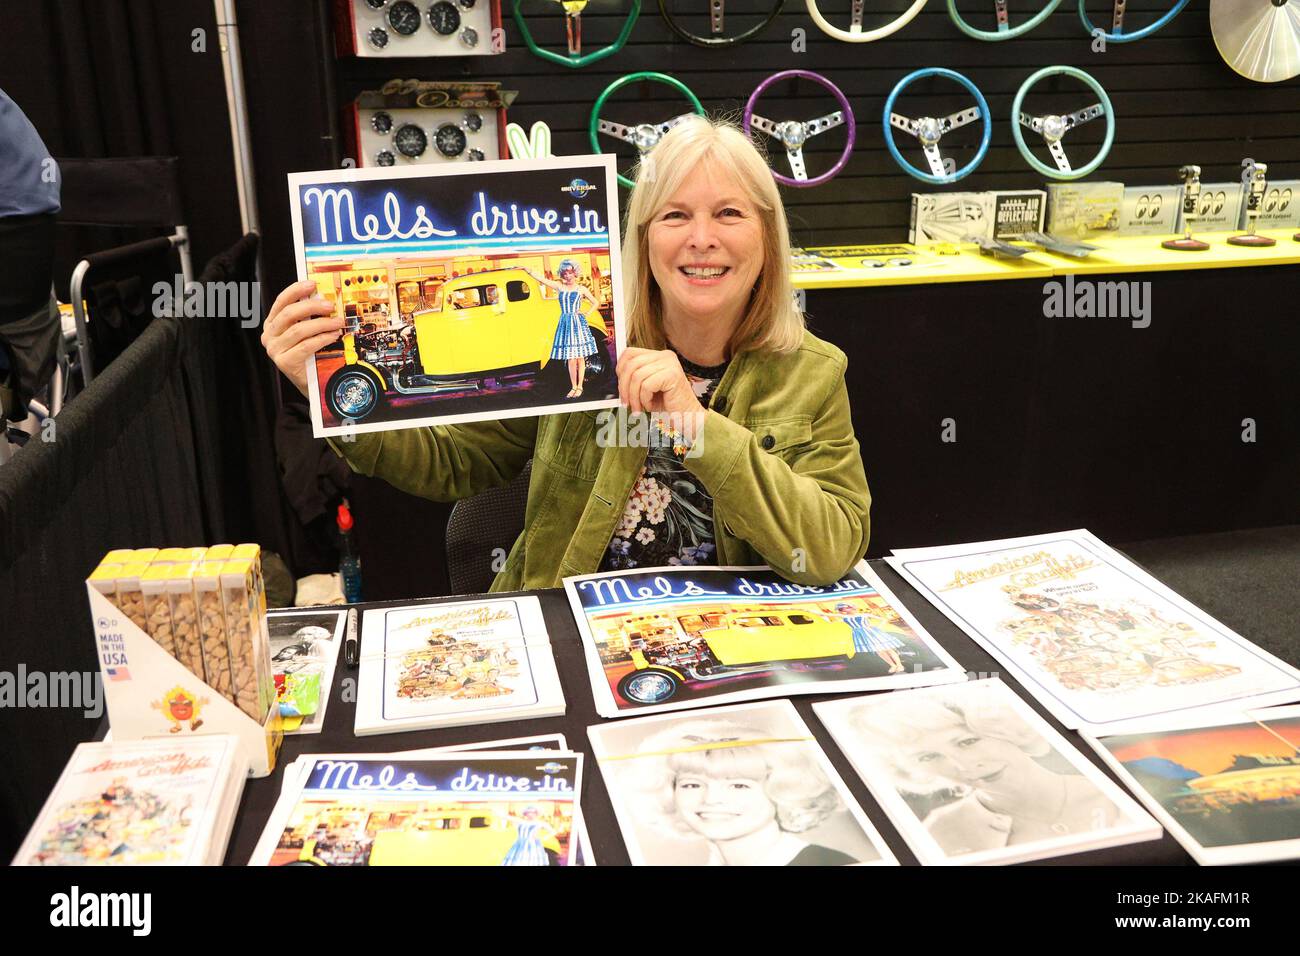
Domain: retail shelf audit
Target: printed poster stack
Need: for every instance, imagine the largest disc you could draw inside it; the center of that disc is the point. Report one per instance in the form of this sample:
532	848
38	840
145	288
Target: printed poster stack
452	663
141	803
494	803
1179	705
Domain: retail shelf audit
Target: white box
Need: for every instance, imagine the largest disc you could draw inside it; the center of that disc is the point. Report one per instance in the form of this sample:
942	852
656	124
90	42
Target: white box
1151	210
1281	206
952	217
1084	210
150	694
1217	208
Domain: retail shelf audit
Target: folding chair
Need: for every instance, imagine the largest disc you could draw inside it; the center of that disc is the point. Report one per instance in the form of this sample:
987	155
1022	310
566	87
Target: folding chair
132	192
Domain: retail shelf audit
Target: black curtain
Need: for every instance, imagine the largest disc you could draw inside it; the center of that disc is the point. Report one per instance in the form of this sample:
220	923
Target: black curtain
101	78
119	473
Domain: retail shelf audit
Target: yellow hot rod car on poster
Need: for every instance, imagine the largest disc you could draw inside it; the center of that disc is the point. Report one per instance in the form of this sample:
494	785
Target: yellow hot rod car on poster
744	643
477	332
444	837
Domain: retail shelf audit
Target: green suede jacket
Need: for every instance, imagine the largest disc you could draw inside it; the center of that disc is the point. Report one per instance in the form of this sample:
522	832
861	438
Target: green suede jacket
777	452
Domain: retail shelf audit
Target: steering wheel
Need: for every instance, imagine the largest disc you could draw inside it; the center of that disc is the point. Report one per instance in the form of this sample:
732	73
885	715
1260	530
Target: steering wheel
928	129
1117	34
573	25
1053	127
1004	31
855	33
644	136
715	25
792	134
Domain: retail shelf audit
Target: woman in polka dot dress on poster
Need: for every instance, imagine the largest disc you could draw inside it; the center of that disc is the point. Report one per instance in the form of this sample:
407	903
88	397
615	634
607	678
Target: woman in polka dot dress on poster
573	338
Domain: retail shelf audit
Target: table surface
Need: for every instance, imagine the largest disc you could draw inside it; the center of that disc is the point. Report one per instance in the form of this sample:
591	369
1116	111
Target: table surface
1246	579
1117	255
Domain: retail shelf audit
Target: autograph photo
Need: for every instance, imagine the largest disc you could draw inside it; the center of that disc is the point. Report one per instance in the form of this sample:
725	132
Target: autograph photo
731	786
970	774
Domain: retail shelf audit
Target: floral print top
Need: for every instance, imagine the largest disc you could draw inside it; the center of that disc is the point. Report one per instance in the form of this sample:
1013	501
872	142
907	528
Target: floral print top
668	518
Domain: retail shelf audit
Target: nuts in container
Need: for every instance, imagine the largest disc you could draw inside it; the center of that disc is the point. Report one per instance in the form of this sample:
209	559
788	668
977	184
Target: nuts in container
185	618
262	633
238	595
157	612
212	628
129	598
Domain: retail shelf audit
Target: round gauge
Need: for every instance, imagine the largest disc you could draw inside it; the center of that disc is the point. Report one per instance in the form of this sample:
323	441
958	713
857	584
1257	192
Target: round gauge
444	18
450	140
376	4
475	155
410	140
472	122
382	123
469	37
385	157
404	17
466	4
378	38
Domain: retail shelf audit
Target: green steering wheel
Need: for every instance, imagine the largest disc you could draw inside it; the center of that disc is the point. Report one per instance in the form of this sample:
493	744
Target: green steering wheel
575	57
644	136
1004	31
1053	127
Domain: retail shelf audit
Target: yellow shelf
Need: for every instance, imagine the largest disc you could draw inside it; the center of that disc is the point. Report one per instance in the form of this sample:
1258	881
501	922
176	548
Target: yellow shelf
967	264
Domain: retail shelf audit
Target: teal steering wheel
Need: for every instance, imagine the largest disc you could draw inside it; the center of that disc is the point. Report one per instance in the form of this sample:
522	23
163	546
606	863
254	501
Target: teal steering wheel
928	129
1117	34
644	136
1053	127
573	23
1005	30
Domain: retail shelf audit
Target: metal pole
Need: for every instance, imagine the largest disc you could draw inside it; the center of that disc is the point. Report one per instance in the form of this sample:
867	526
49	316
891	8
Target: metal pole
232	68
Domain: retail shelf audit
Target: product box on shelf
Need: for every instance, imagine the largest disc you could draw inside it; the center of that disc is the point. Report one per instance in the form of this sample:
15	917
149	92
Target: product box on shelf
1280	208
961	217
415	122
379	28
1150	210
184	648
1217	208
1084	210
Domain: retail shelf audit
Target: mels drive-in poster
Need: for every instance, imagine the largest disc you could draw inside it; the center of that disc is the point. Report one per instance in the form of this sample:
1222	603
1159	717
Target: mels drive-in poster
468	292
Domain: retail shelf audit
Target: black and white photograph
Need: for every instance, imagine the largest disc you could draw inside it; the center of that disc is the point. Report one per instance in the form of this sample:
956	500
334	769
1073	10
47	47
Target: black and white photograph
969	774
731	786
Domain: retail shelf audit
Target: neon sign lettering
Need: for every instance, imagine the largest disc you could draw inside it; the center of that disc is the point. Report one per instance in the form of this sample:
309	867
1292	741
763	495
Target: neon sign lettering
335	199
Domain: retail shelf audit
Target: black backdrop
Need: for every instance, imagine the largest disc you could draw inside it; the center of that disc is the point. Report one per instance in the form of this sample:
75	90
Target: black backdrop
119	77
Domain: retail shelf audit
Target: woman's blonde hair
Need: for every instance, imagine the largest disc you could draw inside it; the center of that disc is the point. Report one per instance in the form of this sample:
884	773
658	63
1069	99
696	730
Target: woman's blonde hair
772	321
801	795
886	725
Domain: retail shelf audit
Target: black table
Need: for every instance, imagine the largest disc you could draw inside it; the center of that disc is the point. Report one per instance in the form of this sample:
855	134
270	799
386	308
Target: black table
1247	579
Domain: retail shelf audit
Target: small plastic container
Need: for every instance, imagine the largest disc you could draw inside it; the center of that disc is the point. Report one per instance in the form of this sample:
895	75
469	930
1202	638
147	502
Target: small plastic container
129	598
219	552
212	629
238	597
157	611
185	618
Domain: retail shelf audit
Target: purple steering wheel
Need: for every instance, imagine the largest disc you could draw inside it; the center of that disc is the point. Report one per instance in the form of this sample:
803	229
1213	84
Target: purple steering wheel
792	134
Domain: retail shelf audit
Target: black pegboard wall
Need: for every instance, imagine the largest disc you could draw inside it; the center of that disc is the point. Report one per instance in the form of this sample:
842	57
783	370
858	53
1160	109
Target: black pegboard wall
1175	99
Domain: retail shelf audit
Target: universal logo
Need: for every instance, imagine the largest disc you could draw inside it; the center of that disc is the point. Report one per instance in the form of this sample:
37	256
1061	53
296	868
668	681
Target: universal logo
579	188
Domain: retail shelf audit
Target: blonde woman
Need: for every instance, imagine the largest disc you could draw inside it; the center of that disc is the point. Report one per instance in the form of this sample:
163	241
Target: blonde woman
762	466
990	779
749	797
